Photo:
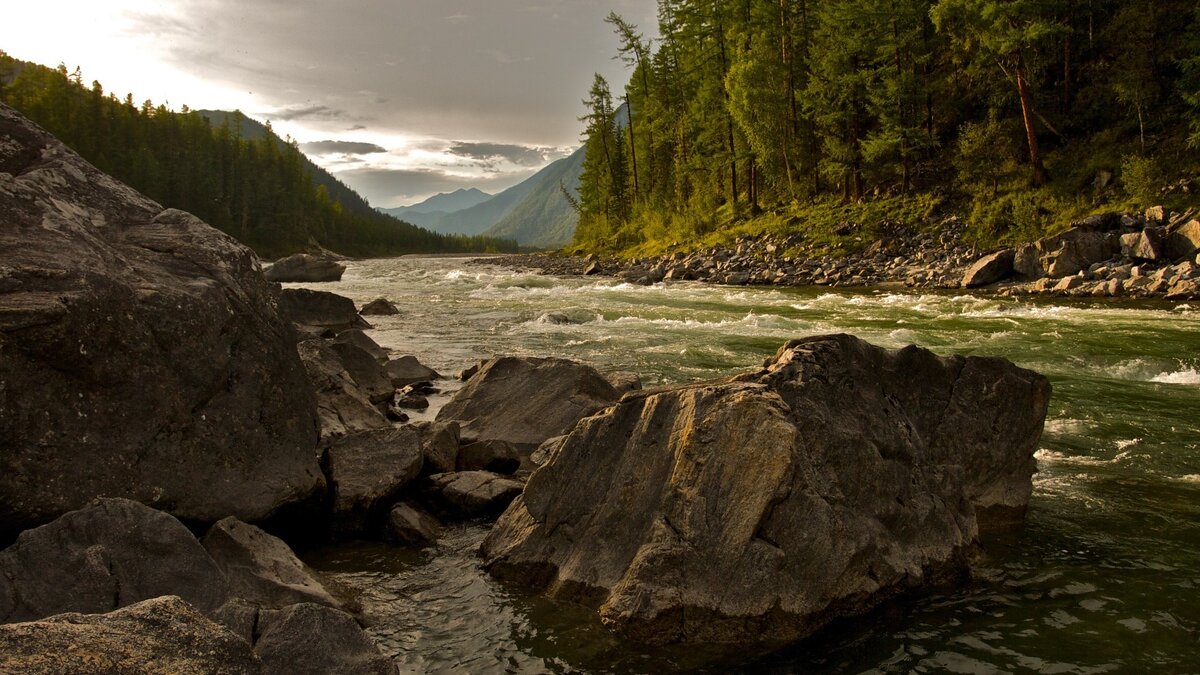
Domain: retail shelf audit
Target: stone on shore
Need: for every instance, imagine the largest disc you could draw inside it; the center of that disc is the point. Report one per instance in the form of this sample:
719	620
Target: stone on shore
439	445
261	568
990	269
303	267
624	381
141	353
363	341
310	639
526	400
472	494
760	509
367	473
160	636
1183	241
365	370
408	370
320	310
342	407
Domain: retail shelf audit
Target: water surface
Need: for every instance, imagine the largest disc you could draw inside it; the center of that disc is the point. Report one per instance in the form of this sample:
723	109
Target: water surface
1105	577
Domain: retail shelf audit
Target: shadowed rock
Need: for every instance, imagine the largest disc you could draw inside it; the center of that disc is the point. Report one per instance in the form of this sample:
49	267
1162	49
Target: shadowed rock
408	370
368	471
356	337
162	636
141	352
406	524
342	406
762	508
260	568
320	309
313	639
472	494
379	307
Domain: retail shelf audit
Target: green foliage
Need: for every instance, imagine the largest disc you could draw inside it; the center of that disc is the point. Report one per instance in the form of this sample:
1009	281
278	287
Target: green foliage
259	189
763	115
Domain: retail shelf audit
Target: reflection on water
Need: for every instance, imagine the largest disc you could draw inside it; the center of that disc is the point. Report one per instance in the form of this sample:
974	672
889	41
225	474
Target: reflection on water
1104	578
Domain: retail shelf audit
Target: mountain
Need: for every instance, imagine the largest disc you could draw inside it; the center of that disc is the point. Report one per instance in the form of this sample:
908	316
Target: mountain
534	211
544	218
446	202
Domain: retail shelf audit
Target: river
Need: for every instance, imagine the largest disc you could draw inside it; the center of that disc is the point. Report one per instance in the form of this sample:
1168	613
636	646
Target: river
1104	577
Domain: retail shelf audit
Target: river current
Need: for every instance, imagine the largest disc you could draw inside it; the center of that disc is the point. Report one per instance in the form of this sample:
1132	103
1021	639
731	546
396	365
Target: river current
1104	577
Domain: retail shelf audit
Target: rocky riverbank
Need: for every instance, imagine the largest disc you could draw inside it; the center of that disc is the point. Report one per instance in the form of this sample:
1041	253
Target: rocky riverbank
1155	254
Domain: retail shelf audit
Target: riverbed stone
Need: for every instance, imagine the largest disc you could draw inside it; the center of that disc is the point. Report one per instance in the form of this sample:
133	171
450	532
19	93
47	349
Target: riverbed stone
839	476
320	309
141	353
407	370
160	636
379	307
990	269
472	494
342	407
439	445
367	473
311	639
304	267
409	525
525	400
260	568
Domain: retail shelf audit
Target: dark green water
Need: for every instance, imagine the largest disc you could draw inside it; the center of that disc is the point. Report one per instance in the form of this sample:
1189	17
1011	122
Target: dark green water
1105	577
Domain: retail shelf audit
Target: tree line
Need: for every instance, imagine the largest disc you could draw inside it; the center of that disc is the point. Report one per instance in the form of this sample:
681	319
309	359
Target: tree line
744	105
260	189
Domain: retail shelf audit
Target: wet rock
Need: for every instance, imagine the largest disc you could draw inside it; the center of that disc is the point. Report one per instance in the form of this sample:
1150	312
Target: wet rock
161	636
624	381
410	526
310	639
526	400
379	307
262	569
472	494
367	473
303	267
110	554
342	406
439	445
408	370
320	310
141	353
990	269
364	342
839	476
410	399
489	455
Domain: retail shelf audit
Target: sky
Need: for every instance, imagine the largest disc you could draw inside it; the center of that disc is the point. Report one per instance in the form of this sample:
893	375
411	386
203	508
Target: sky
400	99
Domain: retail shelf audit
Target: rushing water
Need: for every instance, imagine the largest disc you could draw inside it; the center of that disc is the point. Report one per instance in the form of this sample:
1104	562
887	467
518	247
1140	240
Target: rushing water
1105	577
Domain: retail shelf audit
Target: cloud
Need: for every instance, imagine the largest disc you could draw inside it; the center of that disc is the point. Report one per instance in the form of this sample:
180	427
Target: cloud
520	155
341	147
307	111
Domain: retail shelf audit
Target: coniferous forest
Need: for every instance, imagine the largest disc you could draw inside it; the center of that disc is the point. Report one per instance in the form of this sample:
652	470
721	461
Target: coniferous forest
258	188
750	116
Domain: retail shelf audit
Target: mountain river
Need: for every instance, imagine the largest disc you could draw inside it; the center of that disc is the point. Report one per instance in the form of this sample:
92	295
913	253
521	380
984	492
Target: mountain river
1104	577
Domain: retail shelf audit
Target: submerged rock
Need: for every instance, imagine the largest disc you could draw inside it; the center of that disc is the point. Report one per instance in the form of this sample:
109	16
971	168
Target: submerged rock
379	307
407	524
141	353
526	400
161	636
303	267
762	508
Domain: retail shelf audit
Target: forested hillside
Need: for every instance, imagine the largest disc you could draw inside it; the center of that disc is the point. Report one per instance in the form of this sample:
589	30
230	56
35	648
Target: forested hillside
258	188
798	115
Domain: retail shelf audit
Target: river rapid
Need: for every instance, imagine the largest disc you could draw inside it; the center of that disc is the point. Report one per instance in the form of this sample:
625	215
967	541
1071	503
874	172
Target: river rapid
1104	577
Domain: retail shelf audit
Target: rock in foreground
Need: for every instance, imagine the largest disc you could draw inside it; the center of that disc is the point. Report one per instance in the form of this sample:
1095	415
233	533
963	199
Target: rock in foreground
160	636
760	509
141	353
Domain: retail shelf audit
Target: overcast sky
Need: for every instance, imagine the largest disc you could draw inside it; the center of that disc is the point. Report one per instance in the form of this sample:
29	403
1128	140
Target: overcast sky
401	99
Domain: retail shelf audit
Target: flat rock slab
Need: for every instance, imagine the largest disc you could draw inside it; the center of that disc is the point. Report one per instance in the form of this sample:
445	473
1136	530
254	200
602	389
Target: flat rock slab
524	401
141	352
320	309
760	509
162	636
408	370
472	494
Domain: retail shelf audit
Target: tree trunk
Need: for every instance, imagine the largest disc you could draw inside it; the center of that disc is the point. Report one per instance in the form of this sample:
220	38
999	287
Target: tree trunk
733	181
1040	176
1067	93
632	148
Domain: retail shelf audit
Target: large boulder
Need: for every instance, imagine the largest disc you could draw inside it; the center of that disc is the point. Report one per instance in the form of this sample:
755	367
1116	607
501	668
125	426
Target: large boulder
379	307
343	408
365	370
368	471
408	370
1076	250
439	445
839	476
262	569
303	267
990	269
1183	242
320	310
355	336
141	353
526	400
162	636
311	639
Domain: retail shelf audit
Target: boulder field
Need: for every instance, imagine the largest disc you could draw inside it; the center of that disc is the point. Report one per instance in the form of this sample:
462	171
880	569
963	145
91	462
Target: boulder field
761	508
